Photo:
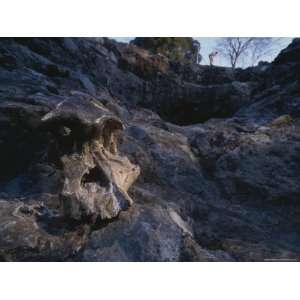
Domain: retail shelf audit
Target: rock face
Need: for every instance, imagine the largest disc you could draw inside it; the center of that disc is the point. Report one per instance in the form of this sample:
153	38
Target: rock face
111	152
183	49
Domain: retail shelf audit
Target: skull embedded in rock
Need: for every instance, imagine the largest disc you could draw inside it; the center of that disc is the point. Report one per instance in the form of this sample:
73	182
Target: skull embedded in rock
96	177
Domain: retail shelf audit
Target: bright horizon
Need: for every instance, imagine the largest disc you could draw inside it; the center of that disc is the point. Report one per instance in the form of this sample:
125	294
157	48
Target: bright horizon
208	44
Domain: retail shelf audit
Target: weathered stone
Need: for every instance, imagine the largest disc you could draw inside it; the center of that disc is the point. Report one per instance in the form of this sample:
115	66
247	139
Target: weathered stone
96	177
81	118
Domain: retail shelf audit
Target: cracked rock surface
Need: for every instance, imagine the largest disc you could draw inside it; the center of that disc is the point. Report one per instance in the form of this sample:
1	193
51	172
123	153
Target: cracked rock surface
111	153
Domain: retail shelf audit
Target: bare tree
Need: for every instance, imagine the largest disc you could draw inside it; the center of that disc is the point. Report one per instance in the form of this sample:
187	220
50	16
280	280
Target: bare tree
248	49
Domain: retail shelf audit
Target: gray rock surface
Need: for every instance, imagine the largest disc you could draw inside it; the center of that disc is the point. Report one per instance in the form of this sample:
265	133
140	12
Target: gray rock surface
111	153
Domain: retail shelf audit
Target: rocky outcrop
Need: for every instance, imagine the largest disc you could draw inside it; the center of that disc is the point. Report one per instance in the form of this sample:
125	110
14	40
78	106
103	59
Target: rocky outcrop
110	152
182	49
289	54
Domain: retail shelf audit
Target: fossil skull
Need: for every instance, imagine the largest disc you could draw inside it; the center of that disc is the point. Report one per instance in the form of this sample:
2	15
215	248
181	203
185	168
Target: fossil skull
96	176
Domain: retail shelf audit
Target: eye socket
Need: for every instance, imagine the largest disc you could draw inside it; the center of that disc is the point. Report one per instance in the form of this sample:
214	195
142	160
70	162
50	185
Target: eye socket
111	132
95	175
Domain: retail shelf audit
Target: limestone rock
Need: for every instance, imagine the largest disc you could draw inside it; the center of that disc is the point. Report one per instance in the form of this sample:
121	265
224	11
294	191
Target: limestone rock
110	152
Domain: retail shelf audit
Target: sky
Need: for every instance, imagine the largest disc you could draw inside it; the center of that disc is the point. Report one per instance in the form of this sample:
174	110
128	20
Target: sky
209	44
